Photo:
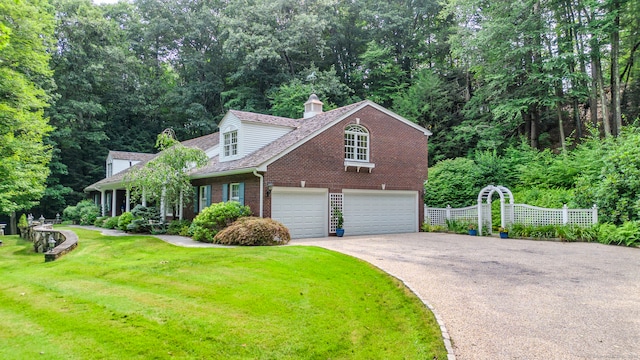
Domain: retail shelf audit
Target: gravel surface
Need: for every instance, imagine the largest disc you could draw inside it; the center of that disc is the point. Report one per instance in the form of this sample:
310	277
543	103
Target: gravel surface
516	299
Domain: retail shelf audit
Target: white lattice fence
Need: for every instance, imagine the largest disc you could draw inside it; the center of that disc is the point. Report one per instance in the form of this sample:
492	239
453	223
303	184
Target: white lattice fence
533	215
335	202
439	216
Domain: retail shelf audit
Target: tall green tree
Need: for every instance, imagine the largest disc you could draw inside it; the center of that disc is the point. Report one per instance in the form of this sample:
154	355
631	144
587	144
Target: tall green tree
26	28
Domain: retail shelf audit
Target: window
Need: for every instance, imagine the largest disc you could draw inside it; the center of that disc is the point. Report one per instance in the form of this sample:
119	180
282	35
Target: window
109	169
202	198
231	143
234	192
356	143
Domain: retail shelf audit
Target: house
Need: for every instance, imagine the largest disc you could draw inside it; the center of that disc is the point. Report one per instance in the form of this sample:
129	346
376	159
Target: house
361	158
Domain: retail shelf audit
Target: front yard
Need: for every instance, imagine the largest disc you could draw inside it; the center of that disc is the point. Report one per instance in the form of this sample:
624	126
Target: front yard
138	297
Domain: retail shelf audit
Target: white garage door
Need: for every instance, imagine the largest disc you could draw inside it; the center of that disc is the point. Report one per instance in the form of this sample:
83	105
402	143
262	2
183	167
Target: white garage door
304	211
380	212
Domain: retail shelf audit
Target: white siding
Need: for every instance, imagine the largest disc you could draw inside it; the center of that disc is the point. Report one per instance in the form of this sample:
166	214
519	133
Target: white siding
255	136
121	165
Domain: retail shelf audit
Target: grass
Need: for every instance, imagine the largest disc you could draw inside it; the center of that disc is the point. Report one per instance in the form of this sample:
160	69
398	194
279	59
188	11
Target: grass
137	297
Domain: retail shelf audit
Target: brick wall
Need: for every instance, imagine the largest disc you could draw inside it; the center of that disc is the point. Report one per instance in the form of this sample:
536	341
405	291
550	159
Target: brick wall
251	191
398	151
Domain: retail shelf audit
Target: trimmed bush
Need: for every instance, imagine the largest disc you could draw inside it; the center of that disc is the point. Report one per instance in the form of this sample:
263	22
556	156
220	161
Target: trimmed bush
178	227
215	218
253	231
125	219
100	221
112	222
141	216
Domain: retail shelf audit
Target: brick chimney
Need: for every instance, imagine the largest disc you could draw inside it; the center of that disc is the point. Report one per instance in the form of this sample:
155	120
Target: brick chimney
312	107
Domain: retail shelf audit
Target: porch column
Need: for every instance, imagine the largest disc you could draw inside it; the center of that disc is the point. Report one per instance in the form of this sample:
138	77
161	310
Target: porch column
128	201
103	203
113	203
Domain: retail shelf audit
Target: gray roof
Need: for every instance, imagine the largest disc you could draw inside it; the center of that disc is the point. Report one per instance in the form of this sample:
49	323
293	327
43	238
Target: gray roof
131	156
303	128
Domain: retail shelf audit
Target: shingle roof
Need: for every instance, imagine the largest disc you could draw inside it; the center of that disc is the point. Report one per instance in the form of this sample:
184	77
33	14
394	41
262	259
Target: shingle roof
303	129
131	156
203	142
264	119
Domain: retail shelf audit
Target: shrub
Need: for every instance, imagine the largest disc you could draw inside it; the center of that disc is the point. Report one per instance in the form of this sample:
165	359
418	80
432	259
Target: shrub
253	231
215	218
84	213
99	222
112	222
141	216
178	227
124	220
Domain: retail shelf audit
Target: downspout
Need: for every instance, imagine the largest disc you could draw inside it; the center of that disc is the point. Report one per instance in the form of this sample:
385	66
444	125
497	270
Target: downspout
255	172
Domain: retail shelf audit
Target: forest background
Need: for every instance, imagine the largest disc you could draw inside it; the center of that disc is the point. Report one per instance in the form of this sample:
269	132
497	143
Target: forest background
532	94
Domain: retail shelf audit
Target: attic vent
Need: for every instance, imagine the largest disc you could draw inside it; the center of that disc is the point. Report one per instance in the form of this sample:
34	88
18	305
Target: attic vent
312	107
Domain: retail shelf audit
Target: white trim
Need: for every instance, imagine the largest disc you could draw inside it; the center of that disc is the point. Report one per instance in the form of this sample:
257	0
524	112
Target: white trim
285	189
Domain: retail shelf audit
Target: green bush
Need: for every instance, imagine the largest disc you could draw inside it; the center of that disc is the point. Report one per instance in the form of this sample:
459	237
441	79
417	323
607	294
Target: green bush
84	213
111	223
141	217
253	231
99	222
627	234
215	218
124	220
178	227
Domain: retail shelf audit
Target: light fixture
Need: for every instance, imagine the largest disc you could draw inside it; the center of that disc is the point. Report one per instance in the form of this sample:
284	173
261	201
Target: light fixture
302	183
52	242
384	186
269	188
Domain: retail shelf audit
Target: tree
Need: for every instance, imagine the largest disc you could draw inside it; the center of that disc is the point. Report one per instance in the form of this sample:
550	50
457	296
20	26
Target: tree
25	38
165	177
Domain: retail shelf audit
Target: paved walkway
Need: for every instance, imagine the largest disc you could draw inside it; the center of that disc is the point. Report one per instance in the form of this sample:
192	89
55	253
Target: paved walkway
171	239
516	299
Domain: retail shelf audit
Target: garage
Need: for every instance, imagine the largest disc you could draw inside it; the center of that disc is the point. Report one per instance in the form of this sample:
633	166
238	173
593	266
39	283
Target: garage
305	211
380	211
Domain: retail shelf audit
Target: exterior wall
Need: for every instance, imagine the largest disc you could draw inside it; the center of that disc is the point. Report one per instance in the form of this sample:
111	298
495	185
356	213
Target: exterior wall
398	151
255	136
121	165
251	191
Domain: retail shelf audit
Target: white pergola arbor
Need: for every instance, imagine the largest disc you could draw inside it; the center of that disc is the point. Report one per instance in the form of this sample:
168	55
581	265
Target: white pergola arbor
487	193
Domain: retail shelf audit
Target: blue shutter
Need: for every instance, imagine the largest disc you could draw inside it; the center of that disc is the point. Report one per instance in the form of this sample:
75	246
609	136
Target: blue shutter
225	192
207	194
241	193
196	195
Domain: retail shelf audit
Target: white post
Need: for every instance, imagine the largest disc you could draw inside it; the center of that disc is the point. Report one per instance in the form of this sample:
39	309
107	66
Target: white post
502	213
479	217
113	203
565	214
144	198
594	215
448	212
181	207
128	201
103	203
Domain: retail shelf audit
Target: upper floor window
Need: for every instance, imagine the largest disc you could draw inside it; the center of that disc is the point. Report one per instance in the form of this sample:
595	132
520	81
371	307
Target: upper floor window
356	143
231	143
109	169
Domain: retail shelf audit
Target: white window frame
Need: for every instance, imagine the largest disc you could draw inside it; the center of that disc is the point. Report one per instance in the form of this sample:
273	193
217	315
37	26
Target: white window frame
230	143
109	169
234	192
202	197
356	143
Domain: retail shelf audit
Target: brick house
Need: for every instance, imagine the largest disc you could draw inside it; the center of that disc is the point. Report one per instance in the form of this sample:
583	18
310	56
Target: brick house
361	158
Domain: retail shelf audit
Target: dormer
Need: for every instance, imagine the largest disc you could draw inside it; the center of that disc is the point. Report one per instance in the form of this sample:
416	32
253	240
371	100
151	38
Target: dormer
118	161
312	107
242	133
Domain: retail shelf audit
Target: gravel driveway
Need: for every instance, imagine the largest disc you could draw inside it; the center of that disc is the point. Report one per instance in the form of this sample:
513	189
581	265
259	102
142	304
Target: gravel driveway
516	299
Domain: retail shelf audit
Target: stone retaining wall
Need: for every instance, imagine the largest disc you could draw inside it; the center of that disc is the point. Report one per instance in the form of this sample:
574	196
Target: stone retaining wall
40	234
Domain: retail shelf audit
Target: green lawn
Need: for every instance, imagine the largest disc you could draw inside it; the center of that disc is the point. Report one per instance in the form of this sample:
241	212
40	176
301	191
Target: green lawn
137	297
